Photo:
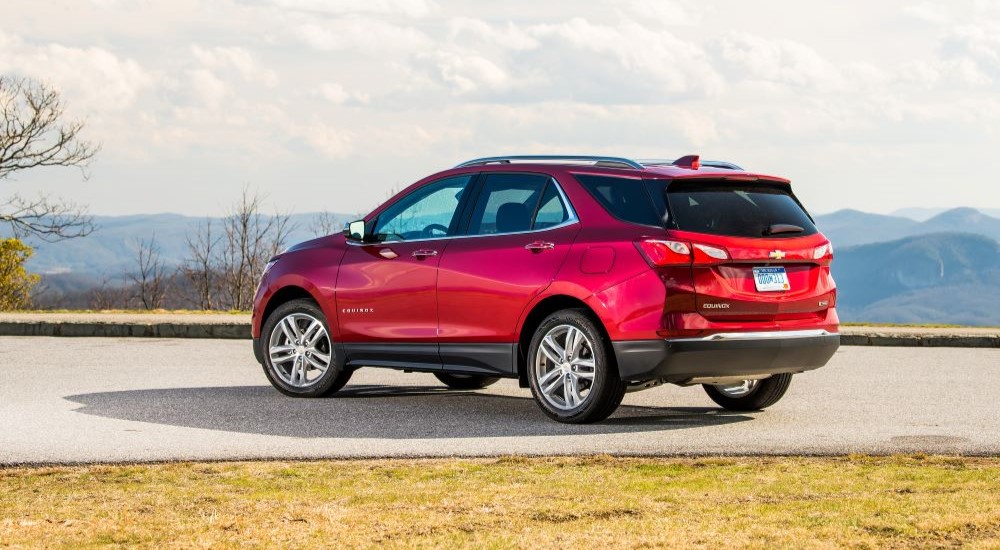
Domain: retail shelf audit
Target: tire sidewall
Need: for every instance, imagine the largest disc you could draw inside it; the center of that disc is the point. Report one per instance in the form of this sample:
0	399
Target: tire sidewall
603	371
768	392
328	379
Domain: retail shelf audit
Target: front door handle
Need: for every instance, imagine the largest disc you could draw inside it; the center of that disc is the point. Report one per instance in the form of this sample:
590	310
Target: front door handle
539	246
424	253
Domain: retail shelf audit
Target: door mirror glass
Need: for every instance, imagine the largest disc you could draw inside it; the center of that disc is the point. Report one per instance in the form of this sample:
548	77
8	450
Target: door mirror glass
355	231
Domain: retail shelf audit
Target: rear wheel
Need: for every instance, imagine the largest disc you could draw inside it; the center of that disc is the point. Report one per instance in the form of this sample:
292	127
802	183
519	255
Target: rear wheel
466	381
571	370
299	355
750	395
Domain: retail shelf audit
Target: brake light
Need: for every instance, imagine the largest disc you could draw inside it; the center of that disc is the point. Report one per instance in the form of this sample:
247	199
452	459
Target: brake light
824	252
708	254
661	253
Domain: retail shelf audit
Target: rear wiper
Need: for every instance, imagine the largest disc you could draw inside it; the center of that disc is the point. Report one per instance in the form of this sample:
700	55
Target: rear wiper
779	228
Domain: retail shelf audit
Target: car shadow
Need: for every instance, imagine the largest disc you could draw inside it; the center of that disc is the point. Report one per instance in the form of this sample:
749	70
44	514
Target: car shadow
375	412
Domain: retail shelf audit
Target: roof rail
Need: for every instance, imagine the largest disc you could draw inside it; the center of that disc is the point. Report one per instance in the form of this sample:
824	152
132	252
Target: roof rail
604	161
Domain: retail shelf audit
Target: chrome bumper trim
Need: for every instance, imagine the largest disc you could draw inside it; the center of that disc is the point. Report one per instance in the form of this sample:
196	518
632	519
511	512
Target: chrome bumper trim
769	335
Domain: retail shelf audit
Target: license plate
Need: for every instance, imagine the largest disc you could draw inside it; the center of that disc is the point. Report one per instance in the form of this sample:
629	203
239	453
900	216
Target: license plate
770	279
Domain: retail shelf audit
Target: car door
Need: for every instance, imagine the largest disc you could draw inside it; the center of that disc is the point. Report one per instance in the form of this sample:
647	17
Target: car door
386	290
515	239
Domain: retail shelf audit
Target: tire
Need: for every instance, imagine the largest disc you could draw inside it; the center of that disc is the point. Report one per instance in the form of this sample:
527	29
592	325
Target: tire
466	381
765	393
592	369
286	374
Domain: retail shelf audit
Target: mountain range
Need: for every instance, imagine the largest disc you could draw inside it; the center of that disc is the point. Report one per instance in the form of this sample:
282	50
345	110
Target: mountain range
853	227
944	269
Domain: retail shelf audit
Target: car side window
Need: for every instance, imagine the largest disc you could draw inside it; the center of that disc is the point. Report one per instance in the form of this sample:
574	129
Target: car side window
426	213
507	203
552	211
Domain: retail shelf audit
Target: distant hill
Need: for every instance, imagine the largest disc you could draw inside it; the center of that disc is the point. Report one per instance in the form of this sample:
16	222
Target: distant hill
853	227
923	214
111	248
935	278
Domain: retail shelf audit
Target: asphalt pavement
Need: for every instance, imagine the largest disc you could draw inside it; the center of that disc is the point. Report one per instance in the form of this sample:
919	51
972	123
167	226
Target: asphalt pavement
69	400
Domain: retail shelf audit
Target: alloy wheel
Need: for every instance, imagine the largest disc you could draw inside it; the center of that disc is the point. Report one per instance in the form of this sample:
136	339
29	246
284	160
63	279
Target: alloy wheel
565	367
300	350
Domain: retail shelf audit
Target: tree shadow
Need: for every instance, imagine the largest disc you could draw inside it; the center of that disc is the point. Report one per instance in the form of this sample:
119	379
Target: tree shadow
375	412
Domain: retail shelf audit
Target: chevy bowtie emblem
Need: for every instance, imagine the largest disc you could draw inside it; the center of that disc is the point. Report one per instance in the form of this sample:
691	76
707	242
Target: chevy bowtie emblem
776	254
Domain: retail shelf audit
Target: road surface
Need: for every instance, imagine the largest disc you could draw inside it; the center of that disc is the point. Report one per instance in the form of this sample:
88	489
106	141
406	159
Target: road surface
68	400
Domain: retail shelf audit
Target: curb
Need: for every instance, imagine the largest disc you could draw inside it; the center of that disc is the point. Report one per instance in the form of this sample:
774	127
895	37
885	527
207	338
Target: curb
920	340
241	331
228	331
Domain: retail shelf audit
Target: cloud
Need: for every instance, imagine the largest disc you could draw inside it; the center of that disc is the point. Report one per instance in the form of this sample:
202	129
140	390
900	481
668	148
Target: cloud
337	94
362	34
409	8
662	12
743	56
95	78
978	45
237	59
928	13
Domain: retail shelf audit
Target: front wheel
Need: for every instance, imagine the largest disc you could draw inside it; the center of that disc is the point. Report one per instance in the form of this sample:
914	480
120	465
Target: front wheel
466	381
299	355
571	369
750	395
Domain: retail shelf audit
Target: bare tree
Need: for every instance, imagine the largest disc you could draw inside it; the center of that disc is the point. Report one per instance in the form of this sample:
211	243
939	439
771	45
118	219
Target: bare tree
325	223
251	239
109	295
150	281
33	134
201	268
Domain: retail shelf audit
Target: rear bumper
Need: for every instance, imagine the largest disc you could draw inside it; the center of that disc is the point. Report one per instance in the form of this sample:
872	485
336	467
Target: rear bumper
725	355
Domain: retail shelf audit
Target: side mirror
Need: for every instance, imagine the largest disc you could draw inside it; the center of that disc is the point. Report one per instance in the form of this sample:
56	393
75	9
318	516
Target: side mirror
355	231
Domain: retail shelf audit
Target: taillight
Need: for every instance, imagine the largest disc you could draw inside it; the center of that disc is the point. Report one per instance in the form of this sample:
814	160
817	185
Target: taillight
705	254
661	253
824	253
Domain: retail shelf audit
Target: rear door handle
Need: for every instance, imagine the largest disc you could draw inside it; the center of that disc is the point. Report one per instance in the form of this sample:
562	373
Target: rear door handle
424	253
539	246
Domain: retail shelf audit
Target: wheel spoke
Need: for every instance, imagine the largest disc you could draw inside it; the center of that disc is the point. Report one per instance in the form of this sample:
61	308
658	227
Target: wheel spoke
290	329
586	375
324	357
573	340
548	377
321	367
552	350
308	335
552	387
568	392
277	358
574	391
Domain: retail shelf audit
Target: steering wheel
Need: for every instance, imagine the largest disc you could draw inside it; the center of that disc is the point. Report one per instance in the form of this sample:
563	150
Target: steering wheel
429	230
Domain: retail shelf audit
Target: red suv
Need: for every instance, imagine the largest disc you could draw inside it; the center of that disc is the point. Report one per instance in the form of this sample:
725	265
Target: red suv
582	277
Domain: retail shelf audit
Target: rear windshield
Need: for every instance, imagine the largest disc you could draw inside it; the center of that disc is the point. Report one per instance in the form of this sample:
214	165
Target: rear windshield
758	210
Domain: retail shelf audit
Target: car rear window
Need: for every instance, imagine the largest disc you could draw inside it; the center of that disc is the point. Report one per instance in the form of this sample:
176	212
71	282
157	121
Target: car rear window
756	210
759	210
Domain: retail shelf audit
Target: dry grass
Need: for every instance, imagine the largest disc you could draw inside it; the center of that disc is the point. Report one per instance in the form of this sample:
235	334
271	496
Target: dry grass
510	502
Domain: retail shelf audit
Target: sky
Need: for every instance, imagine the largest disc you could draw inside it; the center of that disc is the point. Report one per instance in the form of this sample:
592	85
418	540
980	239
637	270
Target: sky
332	104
